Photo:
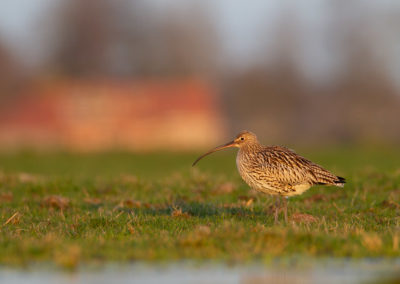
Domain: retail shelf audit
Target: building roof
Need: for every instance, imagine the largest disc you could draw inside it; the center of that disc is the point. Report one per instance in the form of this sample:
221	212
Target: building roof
99	114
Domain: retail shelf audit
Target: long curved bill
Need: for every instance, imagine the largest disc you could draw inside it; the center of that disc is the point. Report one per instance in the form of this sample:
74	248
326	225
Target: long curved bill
227	145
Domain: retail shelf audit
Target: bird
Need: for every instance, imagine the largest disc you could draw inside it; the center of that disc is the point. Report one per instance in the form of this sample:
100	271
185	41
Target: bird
276	170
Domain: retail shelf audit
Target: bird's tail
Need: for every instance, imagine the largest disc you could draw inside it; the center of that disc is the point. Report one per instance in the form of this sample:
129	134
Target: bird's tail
335	180
340	181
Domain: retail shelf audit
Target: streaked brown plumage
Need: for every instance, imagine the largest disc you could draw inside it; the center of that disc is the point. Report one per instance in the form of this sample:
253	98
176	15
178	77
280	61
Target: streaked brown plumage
276	170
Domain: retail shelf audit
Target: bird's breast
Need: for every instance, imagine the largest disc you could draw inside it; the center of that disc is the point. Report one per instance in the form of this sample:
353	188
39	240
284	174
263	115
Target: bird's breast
250	172
240	164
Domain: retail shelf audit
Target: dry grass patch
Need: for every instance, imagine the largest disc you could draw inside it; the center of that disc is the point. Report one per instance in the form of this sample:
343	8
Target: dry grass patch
303	218
178	213
57	202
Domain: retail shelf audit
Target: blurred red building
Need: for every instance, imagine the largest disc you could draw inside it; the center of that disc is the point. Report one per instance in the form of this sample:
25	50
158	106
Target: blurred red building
88	115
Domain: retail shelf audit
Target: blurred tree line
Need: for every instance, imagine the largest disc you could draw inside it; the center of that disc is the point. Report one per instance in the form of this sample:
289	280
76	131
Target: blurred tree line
273	97
106	38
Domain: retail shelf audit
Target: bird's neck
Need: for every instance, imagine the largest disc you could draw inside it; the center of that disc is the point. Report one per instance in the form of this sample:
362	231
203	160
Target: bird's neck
250	147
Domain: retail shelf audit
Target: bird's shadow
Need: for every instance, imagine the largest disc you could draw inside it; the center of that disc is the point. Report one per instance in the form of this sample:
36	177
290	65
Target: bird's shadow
200	210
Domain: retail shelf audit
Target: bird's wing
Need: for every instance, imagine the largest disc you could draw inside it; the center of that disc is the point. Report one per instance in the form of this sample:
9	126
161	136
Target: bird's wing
290	169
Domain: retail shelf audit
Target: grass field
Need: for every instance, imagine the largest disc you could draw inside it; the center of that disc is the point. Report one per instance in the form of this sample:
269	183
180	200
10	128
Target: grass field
69	209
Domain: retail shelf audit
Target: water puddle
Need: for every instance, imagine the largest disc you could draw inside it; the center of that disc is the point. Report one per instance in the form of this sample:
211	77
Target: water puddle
343	272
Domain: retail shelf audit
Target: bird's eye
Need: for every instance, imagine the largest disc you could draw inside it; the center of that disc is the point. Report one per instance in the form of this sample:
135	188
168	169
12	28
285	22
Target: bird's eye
242	138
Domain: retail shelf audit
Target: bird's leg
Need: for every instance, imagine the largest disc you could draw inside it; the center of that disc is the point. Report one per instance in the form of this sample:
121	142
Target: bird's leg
285	202
277	208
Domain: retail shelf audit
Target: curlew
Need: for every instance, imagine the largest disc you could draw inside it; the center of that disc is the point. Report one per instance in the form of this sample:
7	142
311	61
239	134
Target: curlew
276	170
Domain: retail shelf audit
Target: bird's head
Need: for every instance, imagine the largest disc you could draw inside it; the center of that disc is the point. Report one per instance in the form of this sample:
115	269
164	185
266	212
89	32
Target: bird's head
242	139
245	138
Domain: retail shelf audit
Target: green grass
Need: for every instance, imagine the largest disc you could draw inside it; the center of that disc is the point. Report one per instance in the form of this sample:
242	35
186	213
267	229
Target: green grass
95	208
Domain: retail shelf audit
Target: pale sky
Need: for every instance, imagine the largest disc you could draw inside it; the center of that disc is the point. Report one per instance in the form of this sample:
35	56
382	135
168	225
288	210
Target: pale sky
246	28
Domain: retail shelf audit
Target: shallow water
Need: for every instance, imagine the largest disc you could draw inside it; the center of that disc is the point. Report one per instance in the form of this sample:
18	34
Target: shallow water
343	272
